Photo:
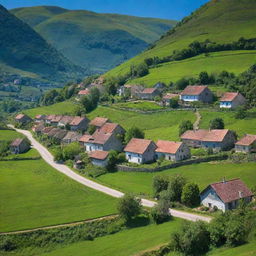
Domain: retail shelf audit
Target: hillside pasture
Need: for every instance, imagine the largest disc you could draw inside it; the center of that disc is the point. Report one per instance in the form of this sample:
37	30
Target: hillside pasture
9	135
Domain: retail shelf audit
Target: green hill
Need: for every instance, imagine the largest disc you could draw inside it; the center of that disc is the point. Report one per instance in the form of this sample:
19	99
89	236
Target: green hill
219	21
26	53
92	40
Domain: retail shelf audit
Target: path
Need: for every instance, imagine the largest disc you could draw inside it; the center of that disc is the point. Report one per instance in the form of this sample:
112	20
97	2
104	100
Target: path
197	122
47	156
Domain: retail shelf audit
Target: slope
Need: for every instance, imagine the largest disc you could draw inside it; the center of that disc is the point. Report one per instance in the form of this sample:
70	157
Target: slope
93	40
220	21
26	53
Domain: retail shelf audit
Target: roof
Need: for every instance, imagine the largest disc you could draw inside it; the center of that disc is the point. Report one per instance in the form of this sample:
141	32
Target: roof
171	147
72	135
16	142
96	138
56	118
77	120
19	116
138	146
99	121
49	117
84	92
38	128
108	128
53	132
100	155
168	96
60	134
247	140
66	119
46	130
205	135
85	138
194	90
229	96
231	190
149	90
40	117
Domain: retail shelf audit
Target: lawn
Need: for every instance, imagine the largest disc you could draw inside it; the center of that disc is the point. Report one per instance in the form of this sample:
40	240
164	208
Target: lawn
9	135
139	105
202	174
32	194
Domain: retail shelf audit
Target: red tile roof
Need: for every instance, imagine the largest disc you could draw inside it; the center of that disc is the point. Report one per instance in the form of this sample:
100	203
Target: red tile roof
56	118
77	120
46	130
138	146
247	140
40	117
231	190
66	119
149	90
96	138
99	121
164	146
100	155
19	116
85	138
108	128
169	96
84	92
50	117
229	96
194	90
16	142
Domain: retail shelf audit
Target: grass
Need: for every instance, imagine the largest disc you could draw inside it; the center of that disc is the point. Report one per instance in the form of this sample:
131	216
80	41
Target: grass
9	135
32	194
139	105
202	174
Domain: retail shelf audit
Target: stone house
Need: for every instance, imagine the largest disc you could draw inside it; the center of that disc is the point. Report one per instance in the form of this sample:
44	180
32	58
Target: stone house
140	151
171	150
149	93
70	137
38	128
134	90
98	122
111	128
196	93
225	195
22	119
247	144
49	118
65	120
40	118
218	139
232	100
99	158
79	123
47	129
19	146
55	120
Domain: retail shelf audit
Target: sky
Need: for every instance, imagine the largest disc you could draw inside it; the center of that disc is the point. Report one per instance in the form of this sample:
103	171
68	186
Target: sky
165	9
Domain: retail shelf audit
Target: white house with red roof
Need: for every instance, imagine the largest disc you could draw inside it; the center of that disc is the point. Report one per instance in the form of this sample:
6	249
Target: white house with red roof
99	158
232	100
197	93
22	119
225	195
247	144
79	123
217	139
171	150
140	151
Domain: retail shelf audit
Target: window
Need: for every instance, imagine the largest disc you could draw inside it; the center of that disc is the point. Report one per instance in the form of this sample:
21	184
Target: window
130	157
138	160
209	205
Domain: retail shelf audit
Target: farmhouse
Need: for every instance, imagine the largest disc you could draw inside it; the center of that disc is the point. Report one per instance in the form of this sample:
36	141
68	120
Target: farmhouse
49	118
22	119
83	92
134	90
40	118
149	93
71	136
232	100
38	128
65	120
219	139
225	195
171	150
47	129
55	120
140	151
19	146
196	93
168	96
111	128
99	158
247	144
99	122
79	123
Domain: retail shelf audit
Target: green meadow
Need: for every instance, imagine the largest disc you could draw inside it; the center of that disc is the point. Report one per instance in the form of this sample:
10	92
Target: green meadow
9	135
139	105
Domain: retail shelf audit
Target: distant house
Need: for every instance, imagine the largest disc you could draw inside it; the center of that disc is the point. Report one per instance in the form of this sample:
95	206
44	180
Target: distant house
99	158
197	93
64	121
22	119
134	90
19	146
79	123
232	100
225	195
168	96
219	139
47	129
70	137
140	151
59	135
40	118
49	118
111	128
55	120
83	93
247	144
149	93
38	128
171	150
98	122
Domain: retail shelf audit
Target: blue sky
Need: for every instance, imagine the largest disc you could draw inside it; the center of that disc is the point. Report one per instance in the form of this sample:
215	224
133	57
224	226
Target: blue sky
167	9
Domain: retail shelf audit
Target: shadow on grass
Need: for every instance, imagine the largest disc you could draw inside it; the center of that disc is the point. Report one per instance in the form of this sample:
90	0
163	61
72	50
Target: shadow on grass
139	221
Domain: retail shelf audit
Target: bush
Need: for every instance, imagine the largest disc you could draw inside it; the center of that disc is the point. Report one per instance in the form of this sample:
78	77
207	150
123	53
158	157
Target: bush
185	126
134	132
240	113
160	183
71	150
160	213
190	195
174	103
217	123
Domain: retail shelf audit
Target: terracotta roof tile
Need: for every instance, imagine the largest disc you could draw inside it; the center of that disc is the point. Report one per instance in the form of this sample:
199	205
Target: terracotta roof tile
194	90
229	96
100	155
19	116
46	130
138	146
169	96
149	90
247	140
85	138
108	128
16	142
84	92
77	120
164	146
99	121
96	138
56	118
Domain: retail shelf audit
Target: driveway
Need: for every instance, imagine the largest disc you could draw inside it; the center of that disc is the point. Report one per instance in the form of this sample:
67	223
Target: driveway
47	156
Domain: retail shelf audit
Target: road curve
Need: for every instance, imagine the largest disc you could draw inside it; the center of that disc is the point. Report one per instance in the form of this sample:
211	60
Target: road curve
47	156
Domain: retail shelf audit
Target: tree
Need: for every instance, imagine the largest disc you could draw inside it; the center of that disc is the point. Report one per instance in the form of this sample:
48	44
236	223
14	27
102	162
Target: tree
160	213
240	113
173	103
190	195
134	132
175	187
204	78
87	103
160	183
95	96
185	126
129	207
71	150
58	155
217	123
181	84
91	129
112	160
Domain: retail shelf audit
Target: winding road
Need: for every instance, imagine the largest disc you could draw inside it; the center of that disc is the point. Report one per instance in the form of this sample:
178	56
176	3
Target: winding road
47	156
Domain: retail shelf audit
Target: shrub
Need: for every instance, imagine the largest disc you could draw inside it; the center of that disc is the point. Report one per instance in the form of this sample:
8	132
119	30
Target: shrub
91	129
174	103
175	187
240	113
134	132
160	213
71	150
160	183
185	126
190	195
217	123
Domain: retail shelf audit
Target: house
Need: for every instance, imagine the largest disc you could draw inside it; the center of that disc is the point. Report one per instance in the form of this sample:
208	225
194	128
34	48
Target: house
99	122
232	100
64	121
47	129
19	146
149	93
218	139
59	135
49	118
71	136
22	119
101	141
225	195
247	144
38	128
111	128
171	150
134	90
83	93
168	96
79	123
40	118
140	151
99	158
159	86
196	93
55	120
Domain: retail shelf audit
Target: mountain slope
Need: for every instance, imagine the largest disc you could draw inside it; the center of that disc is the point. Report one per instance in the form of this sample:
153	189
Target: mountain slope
25	52
92	40
220	21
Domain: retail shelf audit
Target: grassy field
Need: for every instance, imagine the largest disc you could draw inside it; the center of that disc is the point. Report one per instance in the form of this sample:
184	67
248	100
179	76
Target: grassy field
202	174
139	105
32	194
233	61
9	135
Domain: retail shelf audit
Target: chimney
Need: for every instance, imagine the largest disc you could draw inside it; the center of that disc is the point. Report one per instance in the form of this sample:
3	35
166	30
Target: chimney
240	193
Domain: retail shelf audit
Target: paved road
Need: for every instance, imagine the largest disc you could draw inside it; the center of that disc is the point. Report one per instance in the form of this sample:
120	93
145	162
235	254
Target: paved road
47	156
